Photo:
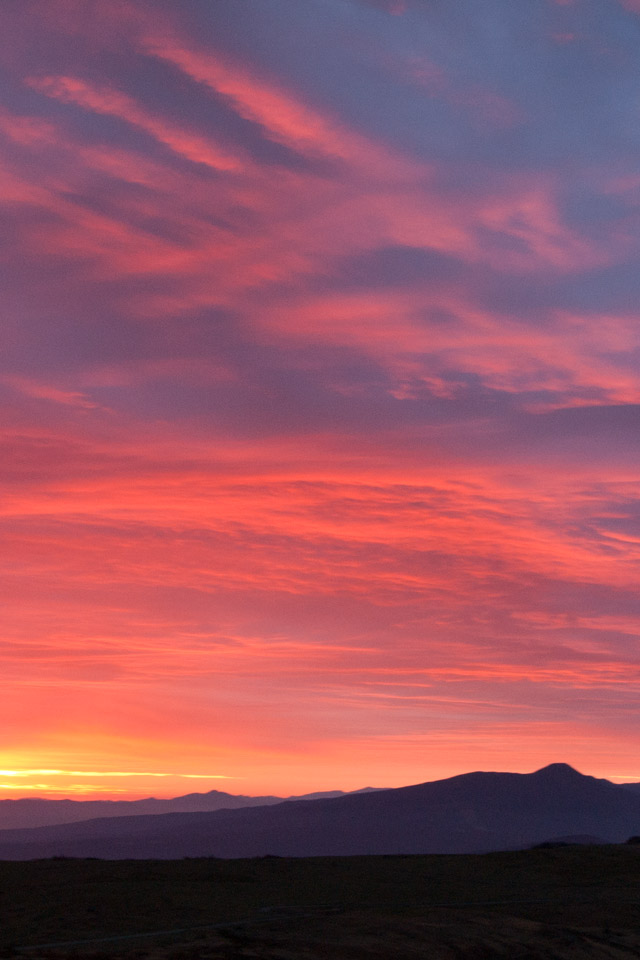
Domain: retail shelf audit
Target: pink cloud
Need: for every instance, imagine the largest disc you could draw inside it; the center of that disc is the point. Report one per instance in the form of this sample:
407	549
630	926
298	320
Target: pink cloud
332	436
283	116
114	103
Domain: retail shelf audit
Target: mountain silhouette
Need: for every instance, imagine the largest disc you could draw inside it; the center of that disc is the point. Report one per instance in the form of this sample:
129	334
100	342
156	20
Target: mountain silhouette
631	786
470	813
40	812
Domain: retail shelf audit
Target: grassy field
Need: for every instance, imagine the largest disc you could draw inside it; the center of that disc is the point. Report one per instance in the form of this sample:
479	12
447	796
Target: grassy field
562	903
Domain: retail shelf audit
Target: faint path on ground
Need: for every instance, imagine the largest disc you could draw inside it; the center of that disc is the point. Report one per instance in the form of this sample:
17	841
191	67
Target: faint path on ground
291	913
269	914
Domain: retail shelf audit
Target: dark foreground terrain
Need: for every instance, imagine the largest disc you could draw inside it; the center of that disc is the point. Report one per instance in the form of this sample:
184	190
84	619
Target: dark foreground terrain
563	902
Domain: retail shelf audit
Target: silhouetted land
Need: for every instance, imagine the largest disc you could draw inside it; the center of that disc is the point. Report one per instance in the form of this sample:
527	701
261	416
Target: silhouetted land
565	902
38	811
472	813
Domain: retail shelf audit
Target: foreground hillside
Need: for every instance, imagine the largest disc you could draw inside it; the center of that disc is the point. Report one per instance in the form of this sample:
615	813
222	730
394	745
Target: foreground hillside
562	903
472	813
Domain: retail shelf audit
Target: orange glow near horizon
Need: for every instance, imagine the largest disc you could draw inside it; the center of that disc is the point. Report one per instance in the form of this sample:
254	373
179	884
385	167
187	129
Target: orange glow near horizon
319	396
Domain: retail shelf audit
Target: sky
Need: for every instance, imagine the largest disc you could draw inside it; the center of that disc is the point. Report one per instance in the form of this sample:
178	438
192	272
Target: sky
319	393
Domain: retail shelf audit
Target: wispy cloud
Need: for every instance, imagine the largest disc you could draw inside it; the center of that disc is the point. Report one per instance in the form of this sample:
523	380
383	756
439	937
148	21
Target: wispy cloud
114	103
110	774
319	392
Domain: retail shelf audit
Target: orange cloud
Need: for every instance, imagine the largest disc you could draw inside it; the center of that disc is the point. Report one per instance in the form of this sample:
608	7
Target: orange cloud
318	448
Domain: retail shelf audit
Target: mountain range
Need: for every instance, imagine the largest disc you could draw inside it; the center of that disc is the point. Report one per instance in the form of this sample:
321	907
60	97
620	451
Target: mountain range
471	813
40	812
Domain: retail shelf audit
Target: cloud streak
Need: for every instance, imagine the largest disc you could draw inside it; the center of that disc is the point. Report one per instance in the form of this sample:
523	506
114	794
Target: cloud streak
318	391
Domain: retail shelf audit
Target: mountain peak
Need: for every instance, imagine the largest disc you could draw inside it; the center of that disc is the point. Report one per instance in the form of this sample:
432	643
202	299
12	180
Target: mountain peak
558	771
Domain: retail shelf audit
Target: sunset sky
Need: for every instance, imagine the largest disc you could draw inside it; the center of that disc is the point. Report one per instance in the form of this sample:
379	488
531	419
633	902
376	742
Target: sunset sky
320	392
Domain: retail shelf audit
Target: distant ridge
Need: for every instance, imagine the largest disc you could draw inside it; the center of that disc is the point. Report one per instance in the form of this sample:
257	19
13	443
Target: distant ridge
41	812
471	813
631	786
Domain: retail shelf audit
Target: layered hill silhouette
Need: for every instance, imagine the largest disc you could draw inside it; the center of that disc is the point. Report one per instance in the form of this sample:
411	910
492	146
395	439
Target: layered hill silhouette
471	813
39	812
632	786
